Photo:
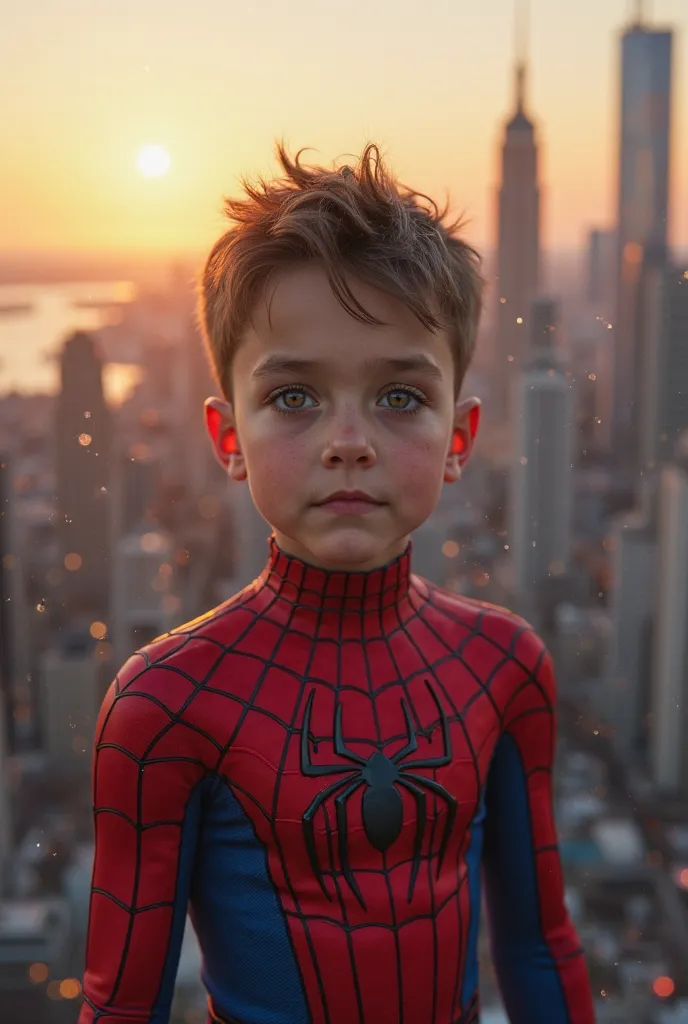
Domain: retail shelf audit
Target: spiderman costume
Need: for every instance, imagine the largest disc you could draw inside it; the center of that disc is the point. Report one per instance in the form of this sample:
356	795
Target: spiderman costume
322	769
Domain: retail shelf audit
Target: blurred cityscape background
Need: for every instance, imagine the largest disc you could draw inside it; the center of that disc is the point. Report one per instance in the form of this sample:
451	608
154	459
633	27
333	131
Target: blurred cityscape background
117	524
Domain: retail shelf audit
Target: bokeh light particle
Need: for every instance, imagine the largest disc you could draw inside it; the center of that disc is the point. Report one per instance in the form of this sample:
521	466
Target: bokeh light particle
53	990
38	973
663	987
152	542
70	988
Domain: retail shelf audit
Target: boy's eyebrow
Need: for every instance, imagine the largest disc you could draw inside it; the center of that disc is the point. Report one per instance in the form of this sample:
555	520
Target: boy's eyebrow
419	363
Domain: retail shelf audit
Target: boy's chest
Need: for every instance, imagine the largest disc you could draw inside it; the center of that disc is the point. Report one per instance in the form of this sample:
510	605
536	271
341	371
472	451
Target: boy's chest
366	737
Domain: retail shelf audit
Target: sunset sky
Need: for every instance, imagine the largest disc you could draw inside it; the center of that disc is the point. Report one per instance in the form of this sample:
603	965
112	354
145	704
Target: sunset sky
86	83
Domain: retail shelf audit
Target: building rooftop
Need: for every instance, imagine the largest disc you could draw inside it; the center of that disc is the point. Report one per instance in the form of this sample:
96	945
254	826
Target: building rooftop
520	123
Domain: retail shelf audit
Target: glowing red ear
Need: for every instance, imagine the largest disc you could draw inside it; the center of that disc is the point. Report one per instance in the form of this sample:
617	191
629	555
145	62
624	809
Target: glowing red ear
458	444
213	419
225	439
474	420
228	443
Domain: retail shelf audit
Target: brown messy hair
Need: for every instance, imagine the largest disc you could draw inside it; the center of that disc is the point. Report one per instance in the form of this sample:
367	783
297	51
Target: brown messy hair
359	221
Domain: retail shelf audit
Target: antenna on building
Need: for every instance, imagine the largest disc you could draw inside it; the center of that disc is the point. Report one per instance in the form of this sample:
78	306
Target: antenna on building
640	12
521	48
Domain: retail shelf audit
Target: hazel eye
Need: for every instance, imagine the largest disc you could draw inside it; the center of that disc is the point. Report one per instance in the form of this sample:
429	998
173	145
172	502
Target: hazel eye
286	395
395	396
405	393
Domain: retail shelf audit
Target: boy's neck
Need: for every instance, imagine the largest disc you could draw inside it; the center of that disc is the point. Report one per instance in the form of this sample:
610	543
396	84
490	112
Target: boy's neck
337	590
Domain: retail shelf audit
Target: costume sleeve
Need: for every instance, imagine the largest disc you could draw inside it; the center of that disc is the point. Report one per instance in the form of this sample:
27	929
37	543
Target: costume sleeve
537	955
146	814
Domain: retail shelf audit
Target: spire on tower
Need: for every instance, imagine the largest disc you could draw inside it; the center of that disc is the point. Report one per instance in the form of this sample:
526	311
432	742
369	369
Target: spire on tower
521	48
640	16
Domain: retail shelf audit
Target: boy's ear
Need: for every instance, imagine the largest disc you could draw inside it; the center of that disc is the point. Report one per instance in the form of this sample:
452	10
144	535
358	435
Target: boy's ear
221	427
466	423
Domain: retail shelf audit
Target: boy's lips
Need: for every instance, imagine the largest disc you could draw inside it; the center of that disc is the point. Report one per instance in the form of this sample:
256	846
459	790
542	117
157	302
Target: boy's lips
350	503
354	496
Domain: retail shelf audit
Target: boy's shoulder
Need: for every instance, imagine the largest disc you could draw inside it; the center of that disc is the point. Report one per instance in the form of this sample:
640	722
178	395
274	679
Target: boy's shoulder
499	626
193	647
216	629
162	678
470	610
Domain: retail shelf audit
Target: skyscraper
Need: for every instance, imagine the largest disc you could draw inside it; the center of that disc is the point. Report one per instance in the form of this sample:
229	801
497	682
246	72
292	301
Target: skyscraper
73	684
7	568
14	633
628	669
668	752
142	588
6	825
134	482
518	242
600	269
663	361
642	210
541	481
83	439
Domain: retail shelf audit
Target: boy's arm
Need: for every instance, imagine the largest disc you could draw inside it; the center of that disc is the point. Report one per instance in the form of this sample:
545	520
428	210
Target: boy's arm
146	812
537	955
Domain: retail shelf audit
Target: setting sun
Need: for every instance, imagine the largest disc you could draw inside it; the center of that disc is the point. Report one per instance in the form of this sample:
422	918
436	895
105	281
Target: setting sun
153	161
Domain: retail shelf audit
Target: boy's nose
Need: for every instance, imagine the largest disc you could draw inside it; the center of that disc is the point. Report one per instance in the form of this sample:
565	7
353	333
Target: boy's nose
349	443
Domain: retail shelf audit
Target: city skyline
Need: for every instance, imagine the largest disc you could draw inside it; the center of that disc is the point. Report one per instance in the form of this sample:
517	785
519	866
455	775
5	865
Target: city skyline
100	84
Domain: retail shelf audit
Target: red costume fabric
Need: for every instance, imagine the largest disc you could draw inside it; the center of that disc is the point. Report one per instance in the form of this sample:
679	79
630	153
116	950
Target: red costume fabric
327	770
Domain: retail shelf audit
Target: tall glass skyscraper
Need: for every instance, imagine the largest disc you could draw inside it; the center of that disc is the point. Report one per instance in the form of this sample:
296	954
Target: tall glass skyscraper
643	200
83	439
518	236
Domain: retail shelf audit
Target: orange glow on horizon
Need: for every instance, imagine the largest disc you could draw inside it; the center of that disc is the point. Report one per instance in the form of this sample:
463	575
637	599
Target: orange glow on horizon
126	136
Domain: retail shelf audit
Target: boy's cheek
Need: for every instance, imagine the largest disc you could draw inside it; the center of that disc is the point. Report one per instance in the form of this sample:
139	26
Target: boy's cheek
276	473
279	461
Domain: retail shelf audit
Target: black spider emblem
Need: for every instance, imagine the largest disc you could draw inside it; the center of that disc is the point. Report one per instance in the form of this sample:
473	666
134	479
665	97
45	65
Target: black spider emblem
382	808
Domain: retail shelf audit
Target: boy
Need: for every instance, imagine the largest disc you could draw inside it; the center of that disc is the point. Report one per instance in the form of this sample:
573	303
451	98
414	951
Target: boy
323	766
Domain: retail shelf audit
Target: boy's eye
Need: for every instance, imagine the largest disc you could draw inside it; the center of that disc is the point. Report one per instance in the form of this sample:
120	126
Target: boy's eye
399	399
290	399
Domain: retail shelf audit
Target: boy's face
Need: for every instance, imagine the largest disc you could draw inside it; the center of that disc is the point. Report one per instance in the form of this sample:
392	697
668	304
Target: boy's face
343	416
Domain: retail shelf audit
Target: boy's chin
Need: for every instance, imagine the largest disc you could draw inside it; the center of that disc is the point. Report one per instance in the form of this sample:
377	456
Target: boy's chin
346	547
